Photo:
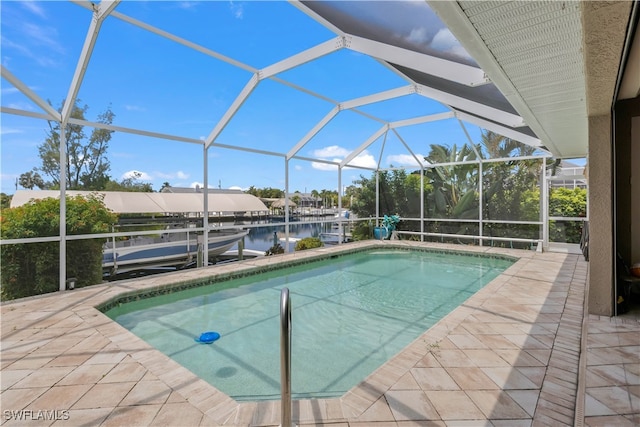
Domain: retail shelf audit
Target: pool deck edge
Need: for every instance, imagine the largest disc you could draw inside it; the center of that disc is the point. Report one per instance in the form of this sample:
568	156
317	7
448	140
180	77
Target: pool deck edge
510	354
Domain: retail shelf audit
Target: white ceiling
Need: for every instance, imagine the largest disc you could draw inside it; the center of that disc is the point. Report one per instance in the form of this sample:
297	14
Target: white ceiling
555	61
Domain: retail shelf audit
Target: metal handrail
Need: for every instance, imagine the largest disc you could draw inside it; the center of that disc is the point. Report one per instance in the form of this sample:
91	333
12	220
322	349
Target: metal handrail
285	357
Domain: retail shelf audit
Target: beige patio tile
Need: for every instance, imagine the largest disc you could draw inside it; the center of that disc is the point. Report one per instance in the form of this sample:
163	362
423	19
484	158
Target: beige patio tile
485	358
269	412
454	405
86	374
106	395
131	371
428	361
378	411
610	421
469	423
45	377
132	416
616	398
509	378
109	354
527	399
418	423
526	342
177	414
453	358
30	361
466	341
512	423
147	392
410	405
60	397
406	382
497	342
17	399
471	379
497	404
535	374
593	407
11	376
84	417
517	357
541	355
434	379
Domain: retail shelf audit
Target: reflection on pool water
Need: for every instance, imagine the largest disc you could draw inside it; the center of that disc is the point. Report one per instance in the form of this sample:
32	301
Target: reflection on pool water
350	315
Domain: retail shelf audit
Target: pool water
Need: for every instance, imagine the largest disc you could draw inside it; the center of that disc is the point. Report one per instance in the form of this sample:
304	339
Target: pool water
350	315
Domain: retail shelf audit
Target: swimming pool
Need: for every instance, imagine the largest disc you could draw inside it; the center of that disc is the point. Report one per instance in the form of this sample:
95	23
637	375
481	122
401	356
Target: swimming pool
350	315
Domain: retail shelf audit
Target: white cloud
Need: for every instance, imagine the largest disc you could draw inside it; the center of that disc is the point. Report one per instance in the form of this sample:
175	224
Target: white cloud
172	175
298	167
235	187
134	108
418	35
9	90
325	166
237	9
141	176
187	4
8	131
445	41
364	159
331	151
34	8
403	159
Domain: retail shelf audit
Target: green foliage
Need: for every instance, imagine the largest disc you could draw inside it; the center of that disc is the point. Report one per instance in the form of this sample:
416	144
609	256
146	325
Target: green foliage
275	250
5	200
132	184
267	192
399	193
362	230
571	203
31	179
87	166
510	192
568	202
32	268
308	243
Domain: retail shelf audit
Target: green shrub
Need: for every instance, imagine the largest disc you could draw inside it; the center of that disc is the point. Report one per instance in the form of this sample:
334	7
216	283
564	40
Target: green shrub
308	243
33	268
275	250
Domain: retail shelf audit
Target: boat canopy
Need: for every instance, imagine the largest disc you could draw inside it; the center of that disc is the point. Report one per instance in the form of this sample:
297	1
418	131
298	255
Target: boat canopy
149	203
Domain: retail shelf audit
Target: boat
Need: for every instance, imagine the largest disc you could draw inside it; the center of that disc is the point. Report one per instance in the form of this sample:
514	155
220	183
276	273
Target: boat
166	250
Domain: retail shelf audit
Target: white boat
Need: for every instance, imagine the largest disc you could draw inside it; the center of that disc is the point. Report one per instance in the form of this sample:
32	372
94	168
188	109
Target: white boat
169	249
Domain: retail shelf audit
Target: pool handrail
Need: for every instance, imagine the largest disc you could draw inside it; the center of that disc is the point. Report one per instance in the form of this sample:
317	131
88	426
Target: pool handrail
285	357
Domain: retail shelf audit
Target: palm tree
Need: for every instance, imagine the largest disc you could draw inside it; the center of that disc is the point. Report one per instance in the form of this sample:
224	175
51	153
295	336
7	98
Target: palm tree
454	185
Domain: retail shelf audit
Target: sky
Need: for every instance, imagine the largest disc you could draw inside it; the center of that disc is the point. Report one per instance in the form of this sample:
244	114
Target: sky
154	84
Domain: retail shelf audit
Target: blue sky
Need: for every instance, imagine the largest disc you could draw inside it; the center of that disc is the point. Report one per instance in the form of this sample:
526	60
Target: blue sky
155	84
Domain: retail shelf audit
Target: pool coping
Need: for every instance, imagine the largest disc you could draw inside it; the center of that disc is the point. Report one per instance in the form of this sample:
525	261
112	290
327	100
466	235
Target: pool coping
222	409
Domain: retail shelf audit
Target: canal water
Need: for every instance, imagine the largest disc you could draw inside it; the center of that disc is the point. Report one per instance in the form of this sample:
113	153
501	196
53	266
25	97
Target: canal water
264	237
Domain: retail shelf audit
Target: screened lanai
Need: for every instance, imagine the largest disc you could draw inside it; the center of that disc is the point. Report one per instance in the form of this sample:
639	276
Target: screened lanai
300	96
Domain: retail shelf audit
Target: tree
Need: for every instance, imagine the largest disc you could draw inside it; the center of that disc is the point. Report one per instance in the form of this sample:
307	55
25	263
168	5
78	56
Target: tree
5	200
31	179
132	183
32	268
455	186
87	166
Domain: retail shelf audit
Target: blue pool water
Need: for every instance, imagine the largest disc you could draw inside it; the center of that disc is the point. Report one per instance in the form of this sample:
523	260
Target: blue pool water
350	315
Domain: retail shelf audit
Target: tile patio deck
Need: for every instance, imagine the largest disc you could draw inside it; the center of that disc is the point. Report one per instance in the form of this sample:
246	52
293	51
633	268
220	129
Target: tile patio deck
509	356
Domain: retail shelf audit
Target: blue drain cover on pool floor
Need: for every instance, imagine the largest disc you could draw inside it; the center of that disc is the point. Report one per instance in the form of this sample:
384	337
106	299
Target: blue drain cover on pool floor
208	337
